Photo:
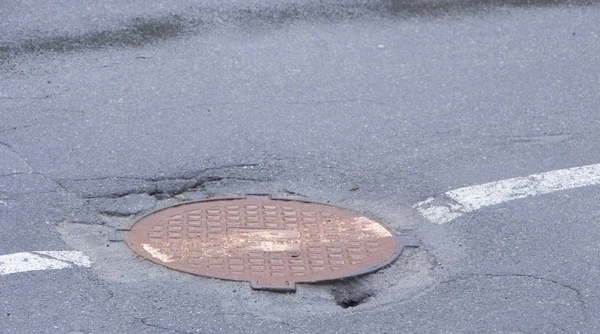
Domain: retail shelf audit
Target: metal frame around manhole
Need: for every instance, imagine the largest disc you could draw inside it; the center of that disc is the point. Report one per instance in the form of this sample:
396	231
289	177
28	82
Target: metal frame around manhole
273	243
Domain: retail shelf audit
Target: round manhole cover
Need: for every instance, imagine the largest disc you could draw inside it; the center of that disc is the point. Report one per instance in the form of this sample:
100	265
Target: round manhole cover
272	243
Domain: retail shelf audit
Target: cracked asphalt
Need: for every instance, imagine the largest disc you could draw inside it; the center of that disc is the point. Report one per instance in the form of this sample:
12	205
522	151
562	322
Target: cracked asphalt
111	110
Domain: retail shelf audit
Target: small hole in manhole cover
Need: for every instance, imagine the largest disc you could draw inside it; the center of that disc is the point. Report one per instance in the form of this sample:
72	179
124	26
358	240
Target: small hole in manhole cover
272	243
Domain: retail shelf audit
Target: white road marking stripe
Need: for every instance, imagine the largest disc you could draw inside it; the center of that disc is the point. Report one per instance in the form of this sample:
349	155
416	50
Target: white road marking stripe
453	204
42	260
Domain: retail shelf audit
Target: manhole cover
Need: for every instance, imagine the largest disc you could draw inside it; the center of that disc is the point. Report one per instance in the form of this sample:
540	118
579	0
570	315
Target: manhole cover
272	243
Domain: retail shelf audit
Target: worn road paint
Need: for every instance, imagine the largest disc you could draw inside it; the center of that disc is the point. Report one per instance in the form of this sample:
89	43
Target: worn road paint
453	204
42	260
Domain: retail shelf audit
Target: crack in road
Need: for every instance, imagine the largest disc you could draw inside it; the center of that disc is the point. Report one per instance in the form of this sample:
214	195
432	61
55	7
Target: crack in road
44	97
18	155
144	322
18	128
269	319
170	186
150	179
293	193
192	182
197	183
578	293
562	330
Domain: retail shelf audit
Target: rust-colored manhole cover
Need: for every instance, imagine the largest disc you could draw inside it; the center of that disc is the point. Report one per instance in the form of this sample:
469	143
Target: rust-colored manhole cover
272	243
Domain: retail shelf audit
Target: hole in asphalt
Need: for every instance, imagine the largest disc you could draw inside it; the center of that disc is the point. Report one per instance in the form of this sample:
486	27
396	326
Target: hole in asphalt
351	294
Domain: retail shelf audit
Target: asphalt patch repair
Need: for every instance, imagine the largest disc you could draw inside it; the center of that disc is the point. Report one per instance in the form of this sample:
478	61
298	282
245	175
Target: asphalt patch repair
272	243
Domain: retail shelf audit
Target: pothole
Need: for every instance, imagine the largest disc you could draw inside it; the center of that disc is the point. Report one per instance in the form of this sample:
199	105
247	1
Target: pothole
115	263
351	293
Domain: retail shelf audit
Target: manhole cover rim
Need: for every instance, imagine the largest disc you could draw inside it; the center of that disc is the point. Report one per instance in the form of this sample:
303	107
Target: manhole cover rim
400	243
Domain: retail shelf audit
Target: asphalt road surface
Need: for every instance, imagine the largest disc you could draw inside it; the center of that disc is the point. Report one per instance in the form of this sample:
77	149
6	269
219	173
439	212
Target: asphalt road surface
110	109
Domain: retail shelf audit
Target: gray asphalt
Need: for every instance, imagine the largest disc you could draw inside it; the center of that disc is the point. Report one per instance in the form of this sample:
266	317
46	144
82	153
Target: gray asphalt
109	111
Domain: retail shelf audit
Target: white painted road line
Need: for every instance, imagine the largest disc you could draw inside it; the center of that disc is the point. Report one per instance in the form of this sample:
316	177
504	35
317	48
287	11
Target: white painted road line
455	203
42	260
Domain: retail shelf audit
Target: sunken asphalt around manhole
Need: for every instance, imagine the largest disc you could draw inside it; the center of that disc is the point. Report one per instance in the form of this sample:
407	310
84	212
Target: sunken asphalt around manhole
272	243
